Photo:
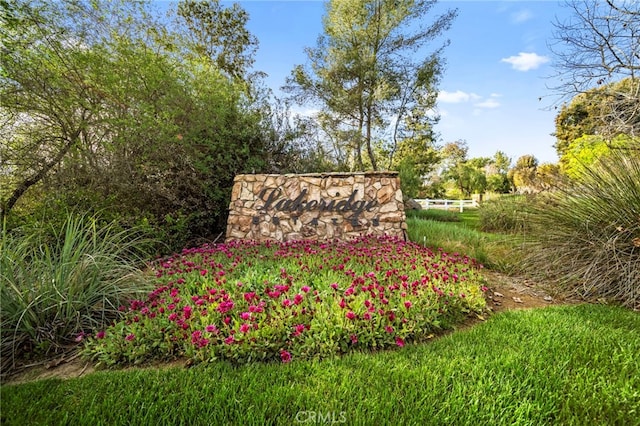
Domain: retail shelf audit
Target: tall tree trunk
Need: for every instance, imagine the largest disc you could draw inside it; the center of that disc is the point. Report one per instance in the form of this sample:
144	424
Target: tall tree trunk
370	152
28	182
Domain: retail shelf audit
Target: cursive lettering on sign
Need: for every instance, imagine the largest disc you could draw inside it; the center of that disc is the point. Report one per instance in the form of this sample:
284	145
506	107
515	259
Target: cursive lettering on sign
273	201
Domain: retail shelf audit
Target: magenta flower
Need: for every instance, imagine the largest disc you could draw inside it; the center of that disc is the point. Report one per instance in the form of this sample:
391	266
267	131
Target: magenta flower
334	286
229	340
249	296
399	342
173	316
407	304
212	329
244	328
130	337
297	299
203	272
342	303
187	311
100	335
245	316
305	288
388	329
354	339
285	356
351	315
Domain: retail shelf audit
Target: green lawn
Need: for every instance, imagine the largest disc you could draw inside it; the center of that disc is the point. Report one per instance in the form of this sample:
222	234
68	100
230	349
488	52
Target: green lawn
459	232
559	365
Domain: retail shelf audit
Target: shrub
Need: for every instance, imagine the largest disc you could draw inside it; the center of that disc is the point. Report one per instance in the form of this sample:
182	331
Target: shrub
586	237
504	214
58	284
247	301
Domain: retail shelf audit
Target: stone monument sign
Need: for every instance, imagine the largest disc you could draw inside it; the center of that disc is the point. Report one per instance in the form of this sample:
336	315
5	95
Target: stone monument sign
316	206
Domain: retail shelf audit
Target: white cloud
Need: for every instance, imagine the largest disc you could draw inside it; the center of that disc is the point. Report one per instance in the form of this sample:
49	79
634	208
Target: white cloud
489	103
456	97
525	61
521	16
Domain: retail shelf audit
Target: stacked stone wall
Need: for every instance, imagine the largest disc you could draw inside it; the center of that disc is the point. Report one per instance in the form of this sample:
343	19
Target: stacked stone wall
316	206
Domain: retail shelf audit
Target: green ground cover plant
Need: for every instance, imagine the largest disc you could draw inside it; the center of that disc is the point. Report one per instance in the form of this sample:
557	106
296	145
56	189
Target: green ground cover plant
245	301
568	365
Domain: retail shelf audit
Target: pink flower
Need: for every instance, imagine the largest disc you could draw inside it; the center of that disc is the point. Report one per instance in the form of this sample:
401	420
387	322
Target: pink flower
334	286
342	303
407	304
245	316
484	288
388	329
305	288
354	339
399	342
244	328
297	299
351	315
173	316
366	316
229	340
100	335
212	329
130	337
203	272
286	303
249	296
285	356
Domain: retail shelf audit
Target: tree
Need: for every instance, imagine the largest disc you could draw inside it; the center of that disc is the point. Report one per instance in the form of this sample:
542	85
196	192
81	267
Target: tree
219	34
468	175
102	113
589	113
524	174
364	69
497	173
600	45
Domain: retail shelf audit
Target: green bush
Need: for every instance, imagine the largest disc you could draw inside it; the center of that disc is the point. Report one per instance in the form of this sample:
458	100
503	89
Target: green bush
504	214
56	285
586	237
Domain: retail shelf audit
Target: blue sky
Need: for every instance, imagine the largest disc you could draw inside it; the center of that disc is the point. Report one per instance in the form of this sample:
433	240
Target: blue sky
497	68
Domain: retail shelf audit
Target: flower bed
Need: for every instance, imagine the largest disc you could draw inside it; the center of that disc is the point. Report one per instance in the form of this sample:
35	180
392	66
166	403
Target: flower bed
246	301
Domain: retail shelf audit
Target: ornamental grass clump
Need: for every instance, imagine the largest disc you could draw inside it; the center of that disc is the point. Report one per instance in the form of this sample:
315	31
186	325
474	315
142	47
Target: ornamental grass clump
246	301
586	237
56	285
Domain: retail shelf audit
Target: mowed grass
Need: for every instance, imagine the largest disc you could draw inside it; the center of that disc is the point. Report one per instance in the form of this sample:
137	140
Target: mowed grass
570	365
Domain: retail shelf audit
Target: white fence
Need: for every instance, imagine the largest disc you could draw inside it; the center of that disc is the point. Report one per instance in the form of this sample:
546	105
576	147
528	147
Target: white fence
447	204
